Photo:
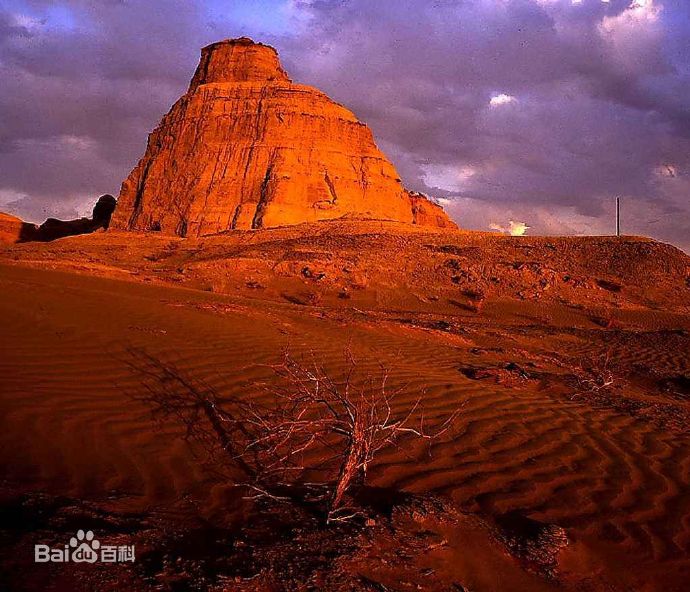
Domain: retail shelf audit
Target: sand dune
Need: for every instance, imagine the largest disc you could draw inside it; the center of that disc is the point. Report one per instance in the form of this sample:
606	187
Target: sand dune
613	470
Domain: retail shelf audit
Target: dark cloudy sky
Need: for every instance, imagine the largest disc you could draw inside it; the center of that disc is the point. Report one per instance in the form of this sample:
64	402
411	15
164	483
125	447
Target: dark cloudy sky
536	111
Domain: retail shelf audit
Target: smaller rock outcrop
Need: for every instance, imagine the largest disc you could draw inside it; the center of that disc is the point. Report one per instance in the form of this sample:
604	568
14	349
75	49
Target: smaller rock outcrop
15	230
12	229
427	213
103	210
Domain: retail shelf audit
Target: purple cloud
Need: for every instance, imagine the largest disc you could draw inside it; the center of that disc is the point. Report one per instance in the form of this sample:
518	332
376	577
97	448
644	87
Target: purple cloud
534	110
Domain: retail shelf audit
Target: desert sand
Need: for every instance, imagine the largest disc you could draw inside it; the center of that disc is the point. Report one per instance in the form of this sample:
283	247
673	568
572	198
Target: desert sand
568	467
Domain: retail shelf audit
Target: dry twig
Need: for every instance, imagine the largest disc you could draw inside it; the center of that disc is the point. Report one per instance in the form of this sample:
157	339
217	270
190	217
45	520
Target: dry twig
311	440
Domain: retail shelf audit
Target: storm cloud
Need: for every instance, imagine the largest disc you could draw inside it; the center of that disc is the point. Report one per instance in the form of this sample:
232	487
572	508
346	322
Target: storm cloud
541	111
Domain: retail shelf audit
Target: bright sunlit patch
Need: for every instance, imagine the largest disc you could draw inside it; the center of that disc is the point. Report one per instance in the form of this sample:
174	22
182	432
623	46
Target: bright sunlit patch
645	9
502	99
638	12
513	229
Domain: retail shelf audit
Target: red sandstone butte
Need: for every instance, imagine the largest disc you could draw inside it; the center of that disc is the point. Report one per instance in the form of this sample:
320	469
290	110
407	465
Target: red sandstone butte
246	147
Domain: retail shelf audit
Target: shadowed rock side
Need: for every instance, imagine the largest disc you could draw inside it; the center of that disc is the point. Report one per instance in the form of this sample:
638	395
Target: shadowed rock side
15	230
247	148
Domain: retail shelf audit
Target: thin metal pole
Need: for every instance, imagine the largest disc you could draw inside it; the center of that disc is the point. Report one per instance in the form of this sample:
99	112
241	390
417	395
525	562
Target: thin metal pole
618	216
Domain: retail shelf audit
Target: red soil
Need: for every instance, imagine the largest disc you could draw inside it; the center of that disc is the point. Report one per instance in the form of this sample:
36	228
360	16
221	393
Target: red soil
524	333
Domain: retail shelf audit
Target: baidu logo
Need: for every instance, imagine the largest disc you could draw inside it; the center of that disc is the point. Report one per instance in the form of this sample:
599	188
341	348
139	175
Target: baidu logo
84	548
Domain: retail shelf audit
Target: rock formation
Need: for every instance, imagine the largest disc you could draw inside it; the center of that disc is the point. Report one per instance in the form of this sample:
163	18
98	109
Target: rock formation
245	147
12	228
15	230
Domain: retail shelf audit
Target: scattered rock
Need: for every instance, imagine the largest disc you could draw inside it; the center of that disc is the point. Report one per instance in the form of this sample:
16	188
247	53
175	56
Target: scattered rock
508	372
610	286
303	298
536	544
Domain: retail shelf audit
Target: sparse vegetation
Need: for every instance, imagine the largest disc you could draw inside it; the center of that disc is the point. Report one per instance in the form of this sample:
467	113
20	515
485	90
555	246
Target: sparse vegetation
595	377
310	439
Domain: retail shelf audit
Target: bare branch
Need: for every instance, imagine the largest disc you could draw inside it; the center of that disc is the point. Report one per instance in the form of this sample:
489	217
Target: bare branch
310	439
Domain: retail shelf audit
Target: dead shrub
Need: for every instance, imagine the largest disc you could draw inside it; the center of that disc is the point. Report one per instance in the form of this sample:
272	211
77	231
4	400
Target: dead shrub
309	439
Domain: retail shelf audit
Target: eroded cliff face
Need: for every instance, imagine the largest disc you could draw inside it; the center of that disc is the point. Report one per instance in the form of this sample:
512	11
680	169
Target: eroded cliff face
247	148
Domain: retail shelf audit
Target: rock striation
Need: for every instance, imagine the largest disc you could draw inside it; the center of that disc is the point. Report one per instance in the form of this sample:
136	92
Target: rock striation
246	147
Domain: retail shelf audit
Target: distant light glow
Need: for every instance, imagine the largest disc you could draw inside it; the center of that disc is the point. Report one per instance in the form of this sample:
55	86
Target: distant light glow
513	229
502	99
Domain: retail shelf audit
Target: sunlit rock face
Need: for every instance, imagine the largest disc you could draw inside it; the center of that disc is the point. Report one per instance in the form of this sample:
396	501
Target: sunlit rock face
11	229
245	147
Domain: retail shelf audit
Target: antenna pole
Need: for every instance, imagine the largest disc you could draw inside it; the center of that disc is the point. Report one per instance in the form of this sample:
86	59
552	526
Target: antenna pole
618	216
